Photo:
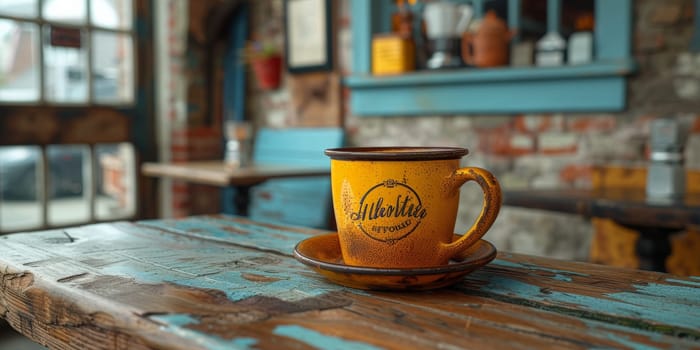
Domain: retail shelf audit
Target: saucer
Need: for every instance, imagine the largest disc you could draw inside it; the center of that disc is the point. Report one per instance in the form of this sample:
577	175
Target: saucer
322	254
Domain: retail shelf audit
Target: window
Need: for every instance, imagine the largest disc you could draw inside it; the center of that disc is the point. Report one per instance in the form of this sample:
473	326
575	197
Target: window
74	52
74	193
69	110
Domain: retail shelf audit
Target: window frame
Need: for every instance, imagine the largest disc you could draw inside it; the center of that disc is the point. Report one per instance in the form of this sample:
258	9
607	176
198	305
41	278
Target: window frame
88	27
35	123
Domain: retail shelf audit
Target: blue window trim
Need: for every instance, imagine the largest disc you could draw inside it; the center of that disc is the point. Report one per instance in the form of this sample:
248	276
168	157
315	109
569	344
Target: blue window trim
599	86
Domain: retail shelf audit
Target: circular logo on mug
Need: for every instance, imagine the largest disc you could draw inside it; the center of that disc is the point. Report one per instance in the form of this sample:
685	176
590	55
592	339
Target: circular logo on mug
389	211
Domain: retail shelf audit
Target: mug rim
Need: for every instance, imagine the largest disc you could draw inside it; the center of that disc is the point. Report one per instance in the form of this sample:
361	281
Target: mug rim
396	153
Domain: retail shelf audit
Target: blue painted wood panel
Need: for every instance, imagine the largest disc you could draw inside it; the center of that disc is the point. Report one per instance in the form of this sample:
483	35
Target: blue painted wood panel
613	29
514	18
234	89
584	94
298	201
553	15
234	92
362	31
295	146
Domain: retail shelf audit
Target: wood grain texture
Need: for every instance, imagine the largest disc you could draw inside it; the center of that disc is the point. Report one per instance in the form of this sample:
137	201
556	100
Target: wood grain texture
219	282
315	99
217	173
46	125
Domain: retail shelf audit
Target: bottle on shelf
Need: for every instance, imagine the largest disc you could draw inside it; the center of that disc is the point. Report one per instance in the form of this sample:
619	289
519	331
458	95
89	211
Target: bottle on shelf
551	50
394	52
581	42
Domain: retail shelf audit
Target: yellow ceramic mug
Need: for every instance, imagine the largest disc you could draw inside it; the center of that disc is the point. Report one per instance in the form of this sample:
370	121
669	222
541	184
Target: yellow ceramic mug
397	206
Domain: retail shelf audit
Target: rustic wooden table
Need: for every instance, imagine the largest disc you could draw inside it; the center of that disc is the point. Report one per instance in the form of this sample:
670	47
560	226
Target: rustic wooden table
217	282
655	219
217	173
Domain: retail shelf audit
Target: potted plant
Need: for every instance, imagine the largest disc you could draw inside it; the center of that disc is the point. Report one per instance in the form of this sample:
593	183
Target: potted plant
266	60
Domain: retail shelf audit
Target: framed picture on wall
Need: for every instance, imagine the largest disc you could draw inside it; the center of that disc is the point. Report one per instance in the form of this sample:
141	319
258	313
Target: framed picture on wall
308	32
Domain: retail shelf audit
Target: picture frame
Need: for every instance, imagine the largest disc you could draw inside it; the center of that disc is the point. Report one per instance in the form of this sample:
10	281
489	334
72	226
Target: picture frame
308	35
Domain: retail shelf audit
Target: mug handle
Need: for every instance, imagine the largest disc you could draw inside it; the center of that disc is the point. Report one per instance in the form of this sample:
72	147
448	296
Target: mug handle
489	210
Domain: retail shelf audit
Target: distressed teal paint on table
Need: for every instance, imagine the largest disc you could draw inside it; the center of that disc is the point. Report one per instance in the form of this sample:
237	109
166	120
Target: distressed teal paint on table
220	282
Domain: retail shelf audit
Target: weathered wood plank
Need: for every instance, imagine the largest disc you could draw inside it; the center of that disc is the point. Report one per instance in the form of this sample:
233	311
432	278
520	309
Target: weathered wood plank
646	300
46	125
203	283
642	299
218	173
117	286
237	230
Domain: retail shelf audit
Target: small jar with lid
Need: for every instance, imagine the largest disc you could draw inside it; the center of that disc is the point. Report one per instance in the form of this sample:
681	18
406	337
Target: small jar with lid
580	49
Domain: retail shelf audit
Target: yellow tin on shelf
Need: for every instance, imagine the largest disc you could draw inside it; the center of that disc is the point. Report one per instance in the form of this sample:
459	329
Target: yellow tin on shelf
392	54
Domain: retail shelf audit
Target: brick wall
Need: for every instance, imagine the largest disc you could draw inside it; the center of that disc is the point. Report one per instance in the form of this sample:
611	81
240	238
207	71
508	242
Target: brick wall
543	150
187	136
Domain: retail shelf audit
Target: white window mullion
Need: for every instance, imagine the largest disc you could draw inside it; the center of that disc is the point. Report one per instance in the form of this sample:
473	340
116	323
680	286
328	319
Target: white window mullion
42	74
88	47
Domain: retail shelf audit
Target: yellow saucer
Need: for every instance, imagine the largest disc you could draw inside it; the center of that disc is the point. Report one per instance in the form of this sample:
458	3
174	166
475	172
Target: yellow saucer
322	254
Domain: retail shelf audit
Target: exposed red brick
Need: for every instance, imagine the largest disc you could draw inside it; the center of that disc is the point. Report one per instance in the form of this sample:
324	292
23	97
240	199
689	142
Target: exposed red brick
666	13
695	129
178	148
503	142
180	188
643	121
521	144
576	172
589	124
558	143
537	123
649	42
203	132
494	141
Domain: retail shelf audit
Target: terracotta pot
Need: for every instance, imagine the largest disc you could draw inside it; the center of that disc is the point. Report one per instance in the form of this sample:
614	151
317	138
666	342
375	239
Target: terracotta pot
268	71
488	47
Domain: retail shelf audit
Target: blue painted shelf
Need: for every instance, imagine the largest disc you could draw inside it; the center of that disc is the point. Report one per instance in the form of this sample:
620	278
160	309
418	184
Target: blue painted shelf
595	87
598	86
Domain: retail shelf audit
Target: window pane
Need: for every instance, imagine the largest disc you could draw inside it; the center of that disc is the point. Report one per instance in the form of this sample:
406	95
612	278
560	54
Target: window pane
67	11
116	181
113	67
19	208
111	13
19	8
19	58
69	176
65	65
